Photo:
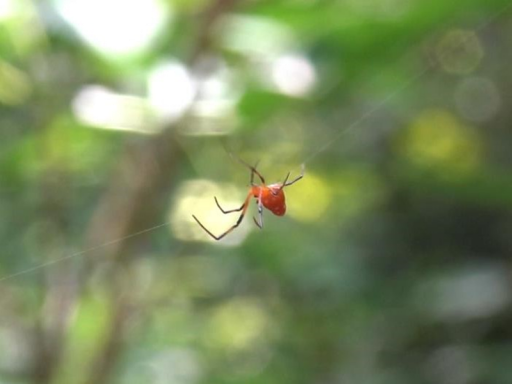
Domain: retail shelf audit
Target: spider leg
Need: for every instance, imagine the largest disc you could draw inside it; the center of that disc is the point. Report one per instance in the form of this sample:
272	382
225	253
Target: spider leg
222	234
253	169
230	210
286	184
239	220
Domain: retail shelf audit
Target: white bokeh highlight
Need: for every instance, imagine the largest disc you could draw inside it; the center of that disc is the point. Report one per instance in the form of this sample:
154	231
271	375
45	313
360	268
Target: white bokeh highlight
102	108
171	90
10	9
293	75
115	27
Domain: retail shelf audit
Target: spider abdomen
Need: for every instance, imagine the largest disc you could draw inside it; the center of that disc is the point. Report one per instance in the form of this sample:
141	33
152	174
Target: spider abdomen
274	200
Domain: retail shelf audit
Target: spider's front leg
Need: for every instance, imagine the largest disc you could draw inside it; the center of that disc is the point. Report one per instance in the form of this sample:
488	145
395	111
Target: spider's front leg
230	210
243	208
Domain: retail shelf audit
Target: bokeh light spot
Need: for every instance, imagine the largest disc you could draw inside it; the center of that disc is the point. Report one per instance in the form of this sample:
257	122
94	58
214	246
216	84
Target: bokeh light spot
214	110
9	9
294	75
476	291
115	27
196	197
16	350
21	27
257	37
238	325
175	366
309	199
102	108
459	51
437	140
171	90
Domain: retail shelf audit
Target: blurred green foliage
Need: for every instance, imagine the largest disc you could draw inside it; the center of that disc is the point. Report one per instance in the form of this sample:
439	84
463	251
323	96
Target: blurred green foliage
392	264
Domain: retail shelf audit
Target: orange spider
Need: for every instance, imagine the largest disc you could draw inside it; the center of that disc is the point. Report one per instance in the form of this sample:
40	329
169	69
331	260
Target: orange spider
269	196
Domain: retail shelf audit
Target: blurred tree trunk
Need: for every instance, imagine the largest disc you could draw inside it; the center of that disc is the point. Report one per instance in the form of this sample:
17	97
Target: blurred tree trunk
133	202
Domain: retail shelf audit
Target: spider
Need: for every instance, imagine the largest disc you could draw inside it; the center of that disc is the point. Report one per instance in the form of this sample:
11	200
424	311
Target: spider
269	196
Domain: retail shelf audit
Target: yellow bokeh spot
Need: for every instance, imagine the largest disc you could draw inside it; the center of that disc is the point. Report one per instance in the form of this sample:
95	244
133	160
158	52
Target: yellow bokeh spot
437	140
309	199
237	325
21	26
196	197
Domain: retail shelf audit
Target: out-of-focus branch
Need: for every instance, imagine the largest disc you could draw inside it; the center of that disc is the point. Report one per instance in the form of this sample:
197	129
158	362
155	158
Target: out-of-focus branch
112	345
145	168
204	37
60	289
133	202
50	332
